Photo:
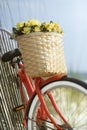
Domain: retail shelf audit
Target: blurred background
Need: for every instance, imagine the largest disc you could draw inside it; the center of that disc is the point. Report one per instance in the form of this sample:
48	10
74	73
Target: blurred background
72	17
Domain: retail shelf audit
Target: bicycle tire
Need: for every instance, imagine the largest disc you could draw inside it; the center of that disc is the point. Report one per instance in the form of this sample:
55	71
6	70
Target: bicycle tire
71	96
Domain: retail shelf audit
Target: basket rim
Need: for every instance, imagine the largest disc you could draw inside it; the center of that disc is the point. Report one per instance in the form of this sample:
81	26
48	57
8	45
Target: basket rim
39	34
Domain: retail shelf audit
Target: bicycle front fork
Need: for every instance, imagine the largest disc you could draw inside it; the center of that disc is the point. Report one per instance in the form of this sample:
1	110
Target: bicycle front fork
44	112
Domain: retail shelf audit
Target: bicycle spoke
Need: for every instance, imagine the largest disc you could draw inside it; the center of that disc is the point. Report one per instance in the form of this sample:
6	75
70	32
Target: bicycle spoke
44	126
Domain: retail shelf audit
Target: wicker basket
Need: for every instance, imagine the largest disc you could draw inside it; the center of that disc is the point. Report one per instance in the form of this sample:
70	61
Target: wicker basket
43	53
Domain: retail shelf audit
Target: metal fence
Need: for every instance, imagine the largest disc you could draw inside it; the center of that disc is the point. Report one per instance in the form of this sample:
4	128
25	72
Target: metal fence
9	90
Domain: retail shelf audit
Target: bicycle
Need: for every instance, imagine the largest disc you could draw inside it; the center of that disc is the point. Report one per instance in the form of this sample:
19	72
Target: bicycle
56	103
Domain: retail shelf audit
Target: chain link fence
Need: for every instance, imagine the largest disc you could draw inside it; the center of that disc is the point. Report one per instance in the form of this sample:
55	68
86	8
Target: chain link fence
9	89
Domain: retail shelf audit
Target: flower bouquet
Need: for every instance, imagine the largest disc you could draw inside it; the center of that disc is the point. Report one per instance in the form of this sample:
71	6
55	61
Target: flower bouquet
36	26
41	46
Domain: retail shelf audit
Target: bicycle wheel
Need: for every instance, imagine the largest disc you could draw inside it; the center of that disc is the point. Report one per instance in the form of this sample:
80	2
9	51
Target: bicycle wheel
71	96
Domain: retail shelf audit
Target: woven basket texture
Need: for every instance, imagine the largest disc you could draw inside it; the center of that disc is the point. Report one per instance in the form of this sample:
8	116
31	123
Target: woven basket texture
43	53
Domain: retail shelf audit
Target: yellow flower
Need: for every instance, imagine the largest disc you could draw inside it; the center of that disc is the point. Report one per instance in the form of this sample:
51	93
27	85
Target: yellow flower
33	22
57	28
20	24
49	26
27	24
56	25
37	29
26	30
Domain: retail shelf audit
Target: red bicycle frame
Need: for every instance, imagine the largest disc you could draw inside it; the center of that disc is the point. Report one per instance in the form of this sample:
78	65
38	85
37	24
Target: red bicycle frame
43	112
